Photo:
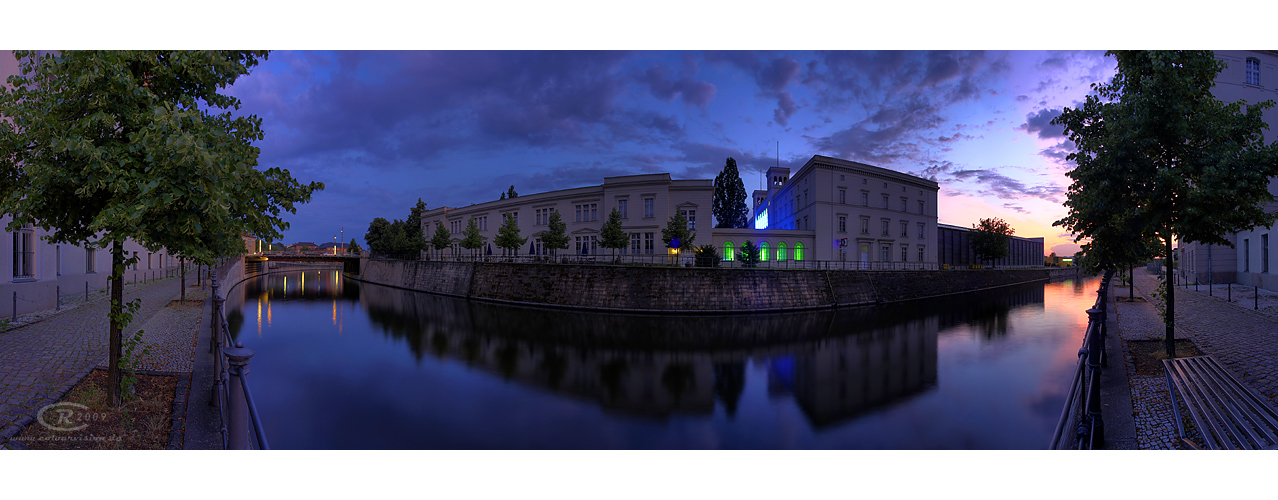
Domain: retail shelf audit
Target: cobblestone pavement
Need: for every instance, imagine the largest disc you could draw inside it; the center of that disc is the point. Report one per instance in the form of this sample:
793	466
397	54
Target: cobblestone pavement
1243	340
171	333
41	360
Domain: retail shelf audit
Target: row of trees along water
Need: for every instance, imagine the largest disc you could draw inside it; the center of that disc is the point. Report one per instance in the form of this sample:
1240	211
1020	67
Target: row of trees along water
100	147
1158	159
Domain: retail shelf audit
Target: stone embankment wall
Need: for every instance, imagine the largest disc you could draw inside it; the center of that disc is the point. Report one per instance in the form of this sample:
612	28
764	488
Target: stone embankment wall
699	290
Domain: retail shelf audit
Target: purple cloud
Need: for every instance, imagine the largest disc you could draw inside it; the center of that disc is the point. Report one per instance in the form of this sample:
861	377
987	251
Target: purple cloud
1040	123
695	93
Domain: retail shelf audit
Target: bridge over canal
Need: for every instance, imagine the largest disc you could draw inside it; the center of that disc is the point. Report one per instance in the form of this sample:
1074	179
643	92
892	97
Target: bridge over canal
256	262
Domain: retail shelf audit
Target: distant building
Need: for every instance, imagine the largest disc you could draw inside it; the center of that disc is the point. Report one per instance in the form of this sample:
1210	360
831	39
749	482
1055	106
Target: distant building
327	248
303	246
1054	260
955	249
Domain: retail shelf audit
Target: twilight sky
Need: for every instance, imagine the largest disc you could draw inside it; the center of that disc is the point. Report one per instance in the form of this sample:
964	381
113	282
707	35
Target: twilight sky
381	129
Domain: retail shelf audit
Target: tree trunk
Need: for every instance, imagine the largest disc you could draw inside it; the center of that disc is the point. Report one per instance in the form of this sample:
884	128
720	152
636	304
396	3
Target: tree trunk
117	307
1170	303
182	272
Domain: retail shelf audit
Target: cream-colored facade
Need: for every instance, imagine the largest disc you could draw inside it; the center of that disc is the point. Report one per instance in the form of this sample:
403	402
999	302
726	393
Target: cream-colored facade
1251	76
39	272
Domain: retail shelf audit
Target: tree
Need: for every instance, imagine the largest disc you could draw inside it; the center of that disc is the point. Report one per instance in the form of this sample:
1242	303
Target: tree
1052	258
556	236
511	192
748	254
991	239
677	227
1159	159
613	236
380	237
442	238
707	256
414	231
471	239
353	247
729	205
100	147
508	236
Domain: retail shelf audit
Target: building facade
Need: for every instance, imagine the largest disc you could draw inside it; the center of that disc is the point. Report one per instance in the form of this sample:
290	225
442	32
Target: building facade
954	249
39	272
1251	76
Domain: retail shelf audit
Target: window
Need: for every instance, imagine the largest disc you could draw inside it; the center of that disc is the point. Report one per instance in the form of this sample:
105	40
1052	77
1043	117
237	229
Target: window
691	215
865	199
885	253
904	250
805	198
920	207
905	229
578	217
843	195
904	202
482	221
886	222
728	253
24	252
1246	255
622	207
647	243
1264	253
843	223
865	181
634	243
798	251
921	226
587	245
89	266
587	212
763	251
647	208
805	222
885	201
1253	72
865	225
921	247
148	260
543	216
781	251
594	209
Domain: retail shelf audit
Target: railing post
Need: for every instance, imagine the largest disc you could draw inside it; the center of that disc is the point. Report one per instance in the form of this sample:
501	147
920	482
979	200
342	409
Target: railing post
238	428
1096	317
215	321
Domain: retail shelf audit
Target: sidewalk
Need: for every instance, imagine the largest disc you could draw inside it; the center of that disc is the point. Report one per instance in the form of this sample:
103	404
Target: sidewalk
39	362
1245	342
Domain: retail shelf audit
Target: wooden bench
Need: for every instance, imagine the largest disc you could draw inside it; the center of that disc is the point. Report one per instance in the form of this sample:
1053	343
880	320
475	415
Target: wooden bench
1228	414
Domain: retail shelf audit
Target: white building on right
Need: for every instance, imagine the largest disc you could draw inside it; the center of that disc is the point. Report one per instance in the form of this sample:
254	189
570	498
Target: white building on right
1251	76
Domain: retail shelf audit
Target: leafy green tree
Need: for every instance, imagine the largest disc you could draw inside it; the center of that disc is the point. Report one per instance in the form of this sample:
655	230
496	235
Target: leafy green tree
511	192
556	236
379	236
729	206
353	247
1159	159
442	238
991	239
613	236
471	239
707	256
508	236
748	254
99	147
677	227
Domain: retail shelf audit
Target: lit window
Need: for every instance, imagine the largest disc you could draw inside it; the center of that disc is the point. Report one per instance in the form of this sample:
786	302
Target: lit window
798	251
780	251
1253	72
691	215
763	251
728	253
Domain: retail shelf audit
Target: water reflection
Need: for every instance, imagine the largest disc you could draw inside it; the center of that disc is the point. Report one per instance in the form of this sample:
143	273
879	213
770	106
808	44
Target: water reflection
834	366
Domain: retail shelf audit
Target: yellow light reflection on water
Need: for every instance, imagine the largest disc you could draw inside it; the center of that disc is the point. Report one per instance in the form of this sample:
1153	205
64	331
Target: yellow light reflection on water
259	318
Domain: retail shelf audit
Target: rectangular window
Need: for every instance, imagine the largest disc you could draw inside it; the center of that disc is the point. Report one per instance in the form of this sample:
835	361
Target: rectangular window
904	253
1264	253
805	198
621	207
865	225
885	201
89	266
482	221
634	243
885	253
905	229
886	223
24	252
647	208
1246	255
843	223
904	202
1253	72
647	243
691	215
843	196
921	253
865	199
920	207
578	219
594	211
148	260
805	223
921	229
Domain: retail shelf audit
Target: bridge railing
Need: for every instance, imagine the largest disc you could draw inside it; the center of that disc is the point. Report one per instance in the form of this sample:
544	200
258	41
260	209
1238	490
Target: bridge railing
1083	404
231	391
689	260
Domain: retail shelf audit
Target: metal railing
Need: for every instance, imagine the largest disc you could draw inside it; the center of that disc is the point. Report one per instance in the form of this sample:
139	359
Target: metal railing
1083	404
231	392
689	260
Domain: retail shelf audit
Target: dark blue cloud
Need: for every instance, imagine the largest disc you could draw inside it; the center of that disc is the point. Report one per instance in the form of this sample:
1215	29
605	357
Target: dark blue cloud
1040	122
663	86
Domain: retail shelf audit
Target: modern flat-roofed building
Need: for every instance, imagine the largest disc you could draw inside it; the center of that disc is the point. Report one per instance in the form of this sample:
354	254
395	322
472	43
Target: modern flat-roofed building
955	249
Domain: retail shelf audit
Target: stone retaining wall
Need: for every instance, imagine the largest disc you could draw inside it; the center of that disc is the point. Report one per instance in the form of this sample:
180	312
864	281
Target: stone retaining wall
670	289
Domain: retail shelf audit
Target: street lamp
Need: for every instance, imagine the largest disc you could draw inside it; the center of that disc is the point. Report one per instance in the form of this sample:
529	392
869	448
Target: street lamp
335	245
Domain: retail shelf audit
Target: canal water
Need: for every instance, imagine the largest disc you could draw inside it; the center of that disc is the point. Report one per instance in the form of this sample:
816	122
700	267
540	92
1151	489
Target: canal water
342	364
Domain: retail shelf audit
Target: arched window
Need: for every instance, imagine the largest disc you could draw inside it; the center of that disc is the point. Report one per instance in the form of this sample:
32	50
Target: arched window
1253	71
763	251
727	251
780	251
798	251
